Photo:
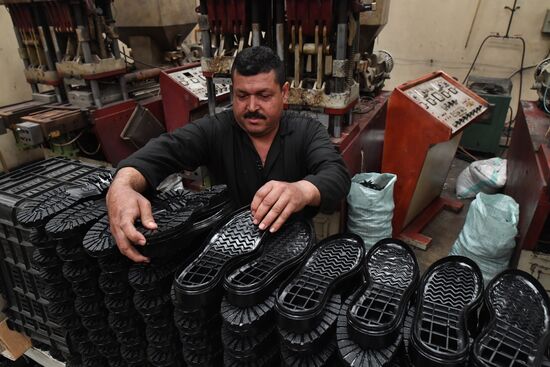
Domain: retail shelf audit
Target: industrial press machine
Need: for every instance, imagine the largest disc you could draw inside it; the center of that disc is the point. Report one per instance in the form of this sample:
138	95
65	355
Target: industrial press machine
318	41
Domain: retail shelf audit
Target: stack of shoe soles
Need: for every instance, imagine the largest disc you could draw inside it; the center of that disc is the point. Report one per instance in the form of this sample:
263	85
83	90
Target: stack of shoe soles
309	301
137	296
198	289
370	325
445	316
248	331
515	322
62	265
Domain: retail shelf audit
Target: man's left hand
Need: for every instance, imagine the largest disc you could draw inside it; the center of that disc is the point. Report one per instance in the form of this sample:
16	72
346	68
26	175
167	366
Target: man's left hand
276	201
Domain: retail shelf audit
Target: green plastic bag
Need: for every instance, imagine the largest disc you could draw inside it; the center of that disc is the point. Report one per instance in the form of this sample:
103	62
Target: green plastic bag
370	211
488	236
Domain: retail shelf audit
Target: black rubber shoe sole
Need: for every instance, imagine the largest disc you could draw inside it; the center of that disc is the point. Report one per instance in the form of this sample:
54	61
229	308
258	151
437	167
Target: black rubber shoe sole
253	281
36	211
313	340
98	241
77	220
249	320
321	359
269	359
354	355
200	282
377	312
449	295
302	298
518	328
249	347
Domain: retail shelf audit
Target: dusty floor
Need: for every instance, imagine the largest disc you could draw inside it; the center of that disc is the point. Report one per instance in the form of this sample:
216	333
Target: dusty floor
446	226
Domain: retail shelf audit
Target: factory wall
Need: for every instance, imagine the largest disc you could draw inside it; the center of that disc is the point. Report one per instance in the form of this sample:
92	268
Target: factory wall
428	35
13	89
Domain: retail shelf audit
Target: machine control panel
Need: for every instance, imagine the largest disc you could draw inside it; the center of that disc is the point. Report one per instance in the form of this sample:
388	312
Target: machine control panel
193	80
446	102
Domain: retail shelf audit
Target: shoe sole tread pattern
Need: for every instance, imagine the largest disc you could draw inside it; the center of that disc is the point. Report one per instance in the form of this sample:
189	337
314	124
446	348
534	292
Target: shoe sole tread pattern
147	278
519	326
76	220
354	355
248	320
247	347
302	298
376	315
315	338
175	211
268	359
449	292
237	238
98	241
293	359
34	212
248	284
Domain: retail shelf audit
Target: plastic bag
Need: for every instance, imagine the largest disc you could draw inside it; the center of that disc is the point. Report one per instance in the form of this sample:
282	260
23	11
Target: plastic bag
370	206
487	176
488	236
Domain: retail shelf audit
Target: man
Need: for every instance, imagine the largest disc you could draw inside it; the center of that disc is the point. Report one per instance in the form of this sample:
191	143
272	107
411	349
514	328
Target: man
277	162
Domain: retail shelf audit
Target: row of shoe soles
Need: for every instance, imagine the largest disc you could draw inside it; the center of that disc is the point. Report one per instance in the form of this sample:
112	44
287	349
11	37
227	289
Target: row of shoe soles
308	300
376	314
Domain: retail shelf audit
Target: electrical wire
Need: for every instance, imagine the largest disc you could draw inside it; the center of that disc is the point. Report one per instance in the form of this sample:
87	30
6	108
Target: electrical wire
70	141
87	152
138	61
544	98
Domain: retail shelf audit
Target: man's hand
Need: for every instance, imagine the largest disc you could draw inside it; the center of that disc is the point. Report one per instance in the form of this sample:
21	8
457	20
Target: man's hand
276	201
125	204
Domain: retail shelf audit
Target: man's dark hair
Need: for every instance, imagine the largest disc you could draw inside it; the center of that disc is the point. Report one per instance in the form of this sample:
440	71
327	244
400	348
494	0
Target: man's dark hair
257	60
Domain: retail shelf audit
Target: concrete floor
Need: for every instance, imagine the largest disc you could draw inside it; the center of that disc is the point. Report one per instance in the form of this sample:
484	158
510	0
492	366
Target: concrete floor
446	226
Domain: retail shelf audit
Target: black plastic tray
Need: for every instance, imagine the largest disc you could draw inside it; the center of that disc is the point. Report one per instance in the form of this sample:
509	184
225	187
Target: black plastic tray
517	331
353	354
321	359
302	298
200	281
251	282
76	221
316	338
248	320
449	294
377	312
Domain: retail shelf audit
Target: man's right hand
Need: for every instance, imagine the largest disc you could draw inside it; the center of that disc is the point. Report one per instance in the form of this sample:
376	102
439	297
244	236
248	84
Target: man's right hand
125	204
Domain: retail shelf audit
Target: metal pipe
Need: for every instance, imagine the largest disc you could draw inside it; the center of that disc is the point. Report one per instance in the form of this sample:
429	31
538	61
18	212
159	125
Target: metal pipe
204	26
280	28
82	33
142	75
256	35
341	39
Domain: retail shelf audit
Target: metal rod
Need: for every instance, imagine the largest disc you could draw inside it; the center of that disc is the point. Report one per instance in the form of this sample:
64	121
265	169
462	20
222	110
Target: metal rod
513	10
472	25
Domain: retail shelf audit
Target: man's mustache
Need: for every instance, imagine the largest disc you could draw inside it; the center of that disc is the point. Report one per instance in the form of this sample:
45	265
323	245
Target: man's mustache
254	115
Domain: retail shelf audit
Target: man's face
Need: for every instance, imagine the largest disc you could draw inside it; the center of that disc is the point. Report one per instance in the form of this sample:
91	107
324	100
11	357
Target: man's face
258	102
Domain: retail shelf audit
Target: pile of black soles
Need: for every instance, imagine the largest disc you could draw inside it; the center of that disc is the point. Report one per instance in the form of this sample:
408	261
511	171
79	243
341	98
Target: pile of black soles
309	301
